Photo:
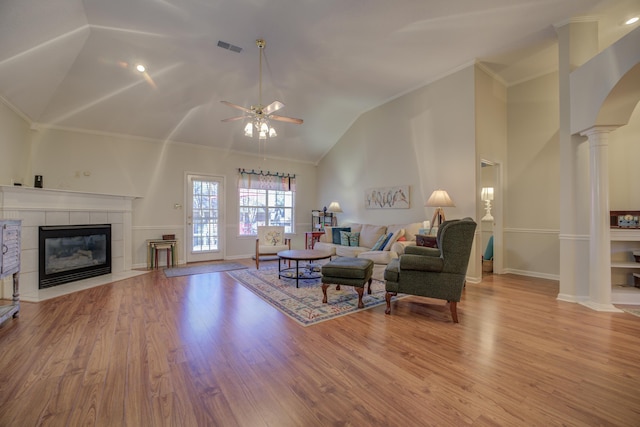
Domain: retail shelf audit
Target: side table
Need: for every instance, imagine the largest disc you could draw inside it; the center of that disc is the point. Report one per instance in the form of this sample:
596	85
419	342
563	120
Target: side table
153	246
311	237
428	241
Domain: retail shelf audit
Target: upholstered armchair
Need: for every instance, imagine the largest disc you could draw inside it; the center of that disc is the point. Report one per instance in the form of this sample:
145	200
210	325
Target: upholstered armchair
434	272
270	241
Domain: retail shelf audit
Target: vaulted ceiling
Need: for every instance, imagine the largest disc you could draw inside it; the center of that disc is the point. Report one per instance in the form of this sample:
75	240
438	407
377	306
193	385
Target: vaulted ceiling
70	64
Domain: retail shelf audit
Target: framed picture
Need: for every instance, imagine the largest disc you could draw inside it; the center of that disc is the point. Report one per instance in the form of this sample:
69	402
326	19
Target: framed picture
387	197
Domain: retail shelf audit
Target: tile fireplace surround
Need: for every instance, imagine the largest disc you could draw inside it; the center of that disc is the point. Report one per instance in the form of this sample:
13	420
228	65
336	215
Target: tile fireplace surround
40	206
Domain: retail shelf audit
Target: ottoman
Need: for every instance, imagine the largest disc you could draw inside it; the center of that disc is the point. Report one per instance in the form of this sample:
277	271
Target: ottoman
349	272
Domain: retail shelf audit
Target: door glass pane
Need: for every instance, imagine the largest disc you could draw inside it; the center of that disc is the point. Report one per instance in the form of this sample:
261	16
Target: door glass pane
205	216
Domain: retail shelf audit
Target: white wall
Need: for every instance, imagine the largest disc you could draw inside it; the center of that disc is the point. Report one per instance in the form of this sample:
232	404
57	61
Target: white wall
624	169
152	170
532	211
424	139
13	146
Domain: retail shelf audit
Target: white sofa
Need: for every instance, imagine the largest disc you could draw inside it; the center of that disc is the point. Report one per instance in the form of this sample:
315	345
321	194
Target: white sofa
369	235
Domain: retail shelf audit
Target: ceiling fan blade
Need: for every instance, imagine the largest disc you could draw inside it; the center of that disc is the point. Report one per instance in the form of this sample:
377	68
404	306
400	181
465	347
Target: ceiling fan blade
239	107
286	119
233	119
273	107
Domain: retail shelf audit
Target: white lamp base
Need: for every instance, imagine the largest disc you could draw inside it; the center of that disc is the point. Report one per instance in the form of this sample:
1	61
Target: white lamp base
488	216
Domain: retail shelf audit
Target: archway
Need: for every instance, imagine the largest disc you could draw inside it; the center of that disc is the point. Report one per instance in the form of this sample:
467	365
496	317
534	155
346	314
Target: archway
604	93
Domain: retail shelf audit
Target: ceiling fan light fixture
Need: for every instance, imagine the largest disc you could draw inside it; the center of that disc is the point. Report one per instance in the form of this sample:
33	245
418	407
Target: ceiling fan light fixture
248	130
259	114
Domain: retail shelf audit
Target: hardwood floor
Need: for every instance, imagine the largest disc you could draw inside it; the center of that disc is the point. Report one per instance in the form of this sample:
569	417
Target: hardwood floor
204	351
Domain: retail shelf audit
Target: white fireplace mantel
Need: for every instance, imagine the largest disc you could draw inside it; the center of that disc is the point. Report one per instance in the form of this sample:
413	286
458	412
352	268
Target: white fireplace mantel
41	206
26	198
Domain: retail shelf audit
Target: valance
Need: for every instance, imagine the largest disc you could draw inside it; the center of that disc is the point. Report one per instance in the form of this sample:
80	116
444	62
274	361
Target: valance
261	180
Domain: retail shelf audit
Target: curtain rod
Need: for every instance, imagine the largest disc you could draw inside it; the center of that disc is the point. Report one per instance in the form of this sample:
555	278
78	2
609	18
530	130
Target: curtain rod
276	174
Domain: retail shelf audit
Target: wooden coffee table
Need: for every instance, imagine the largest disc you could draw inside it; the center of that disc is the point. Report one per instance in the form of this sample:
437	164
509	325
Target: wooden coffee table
297	256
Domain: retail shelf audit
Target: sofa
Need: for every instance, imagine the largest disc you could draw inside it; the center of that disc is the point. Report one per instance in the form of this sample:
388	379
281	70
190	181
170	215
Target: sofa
361	240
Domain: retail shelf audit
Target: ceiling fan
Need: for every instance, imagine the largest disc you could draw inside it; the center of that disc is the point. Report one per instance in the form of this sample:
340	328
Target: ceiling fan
259	114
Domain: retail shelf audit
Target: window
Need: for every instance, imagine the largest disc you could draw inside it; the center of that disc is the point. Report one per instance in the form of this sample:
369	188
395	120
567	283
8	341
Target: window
265	206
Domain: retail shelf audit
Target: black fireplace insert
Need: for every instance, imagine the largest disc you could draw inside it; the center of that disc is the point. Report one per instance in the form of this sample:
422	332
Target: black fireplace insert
73	252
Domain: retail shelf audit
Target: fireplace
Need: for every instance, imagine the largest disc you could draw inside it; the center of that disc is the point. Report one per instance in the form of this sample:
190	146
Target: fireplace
73	252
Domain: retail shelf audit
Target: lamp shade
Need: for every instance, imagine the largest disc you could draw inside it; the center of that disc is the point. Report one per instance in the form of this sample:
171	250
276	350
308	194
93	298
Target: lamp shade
439	199
334	207
487	193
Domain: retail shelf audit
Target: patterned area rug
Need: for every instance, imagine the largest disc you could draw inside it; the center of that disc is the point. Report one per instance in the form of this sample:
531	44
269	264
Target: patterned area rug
304	304
202	269
634	311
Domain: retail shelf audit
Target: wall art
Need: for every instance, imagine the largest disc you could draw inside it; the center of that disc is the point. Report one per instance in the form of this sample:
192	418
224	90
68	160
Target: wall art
387	197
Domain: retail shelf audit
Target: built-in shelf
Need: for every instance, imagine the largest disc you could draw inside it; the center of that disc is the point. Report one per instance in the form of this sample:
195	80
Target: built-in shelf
623	266
621	294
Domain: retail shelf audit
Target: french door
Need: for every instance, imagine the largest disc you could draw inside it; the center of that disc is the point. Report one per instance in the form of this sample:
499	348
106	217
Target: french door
205	218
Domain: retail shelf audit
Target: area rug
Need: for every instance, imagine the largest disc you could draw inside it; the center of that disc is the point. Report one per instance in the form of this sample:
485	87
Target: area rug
304	304
634	311
202	269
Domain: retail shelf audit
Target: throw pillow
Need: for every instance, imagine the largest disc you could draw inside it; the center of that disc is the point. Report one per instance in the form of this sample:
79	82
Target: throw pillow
336	234
402	239
394	236
386	240
349	238
369	234
379	243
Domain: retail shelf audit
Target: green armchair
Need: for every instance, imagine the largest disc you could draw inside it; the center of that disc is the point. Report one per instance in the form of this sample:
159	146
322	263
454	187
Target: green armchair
434	272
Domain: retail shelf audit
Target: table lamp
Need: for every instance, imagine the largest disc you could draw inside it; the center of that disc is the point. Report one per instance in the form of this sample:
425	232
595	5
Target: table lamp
439	199
487	196
334	207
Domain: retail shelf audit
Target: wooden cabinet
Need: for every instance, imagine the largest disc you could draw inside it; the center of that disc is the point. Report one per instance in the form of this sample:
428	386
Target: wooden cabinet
10	264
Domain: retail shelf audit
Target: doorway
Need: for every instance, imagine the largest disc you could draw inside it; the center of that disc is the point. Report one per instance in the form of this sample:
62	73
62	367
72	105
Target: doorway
204	218
491	217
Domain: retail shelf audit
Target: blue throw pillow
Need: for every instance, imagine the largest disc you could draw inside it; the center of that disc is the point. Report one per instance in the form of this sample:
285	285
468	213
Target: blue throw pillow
335	238
349	238
379	243
386	240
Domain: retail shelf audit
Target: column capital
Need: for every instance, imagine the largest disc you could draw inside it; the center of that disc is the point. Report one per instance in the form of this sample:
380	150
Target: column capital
597	130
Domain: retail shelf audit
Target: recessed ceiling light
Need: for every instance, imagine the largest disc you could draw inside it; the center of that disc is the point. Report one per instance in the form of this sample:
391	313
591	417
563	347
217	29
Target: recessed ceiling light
140	68
632	20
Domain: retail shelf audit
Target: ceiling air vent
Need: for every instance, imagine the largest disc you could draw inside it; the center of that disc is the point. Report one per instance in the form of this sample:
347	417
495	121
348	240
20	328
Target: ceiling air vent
229	46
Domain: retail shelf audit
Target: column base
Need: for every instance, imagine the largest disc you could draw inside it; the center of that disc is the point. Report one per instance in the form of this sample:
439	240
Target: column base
601	307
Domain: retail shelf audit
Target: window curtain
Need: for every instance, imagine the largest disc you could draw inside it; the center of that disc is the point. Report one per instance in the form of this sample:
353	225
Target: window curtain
266	181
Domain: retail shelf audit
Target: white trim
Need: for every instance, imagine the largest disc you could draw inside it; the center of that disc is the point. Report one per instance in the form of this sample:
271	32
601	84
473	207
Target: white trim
157	227
571	298
601	307
574	237
532	274
531	230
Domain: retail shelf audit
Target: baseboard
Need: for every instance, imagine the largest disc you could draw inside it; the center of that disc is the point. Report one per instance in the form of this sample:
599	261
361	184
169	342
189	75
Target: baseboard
531	274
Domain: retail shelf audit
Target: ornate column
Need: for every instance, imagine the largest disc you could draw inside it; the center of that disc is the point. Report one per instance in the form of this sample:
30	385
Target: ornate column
599	227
